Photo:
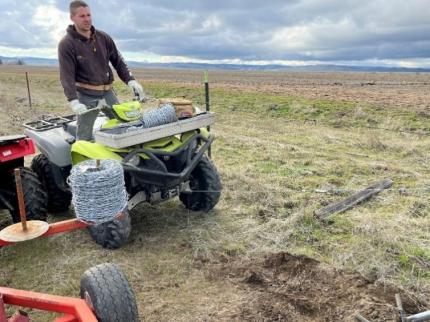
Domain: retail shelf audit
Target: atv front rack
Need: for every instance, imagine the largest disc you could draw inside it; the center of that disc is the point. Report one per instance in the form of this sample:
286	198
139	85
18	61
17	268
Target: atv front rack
129	134
49	122
163	177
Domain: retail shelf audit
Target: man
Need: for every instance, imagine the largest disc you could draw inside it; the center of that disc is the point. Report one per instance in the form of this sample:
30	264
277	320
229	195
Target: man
84	55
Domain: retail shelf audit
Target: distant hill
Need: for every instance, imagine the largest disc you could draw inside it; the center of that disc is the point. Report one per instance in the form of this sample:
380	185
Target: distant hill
34	61
308	68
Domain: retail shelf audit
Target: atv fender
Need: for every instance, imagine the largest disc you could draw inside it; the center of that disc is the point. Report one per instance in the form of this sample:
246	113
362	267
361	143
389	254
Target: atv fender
84	150
53	144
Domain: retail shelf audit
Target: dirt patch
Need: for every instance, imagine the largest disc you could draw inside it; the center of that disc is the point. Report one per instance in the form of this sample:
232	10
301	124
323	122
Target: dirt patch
284	287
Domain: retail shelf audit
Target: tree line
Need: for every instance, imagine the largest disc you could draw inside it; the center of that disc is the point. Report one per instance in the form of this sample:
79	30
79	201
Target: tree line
18	61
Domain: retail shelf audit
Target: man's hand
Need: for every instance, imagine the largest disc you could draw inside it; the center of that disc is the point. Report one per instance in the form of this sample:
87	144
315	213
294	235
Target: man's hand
78	107
137	90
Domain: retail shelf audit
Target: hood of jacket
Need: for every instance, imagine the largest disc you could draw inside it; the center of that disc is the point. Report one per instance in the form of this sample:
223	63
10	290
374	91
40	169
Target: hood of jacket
71	30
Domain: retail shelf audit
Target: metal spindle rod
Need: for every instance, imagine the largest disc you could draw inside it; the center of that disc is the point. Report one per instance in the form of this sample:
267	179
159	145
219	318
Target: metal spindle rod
21	203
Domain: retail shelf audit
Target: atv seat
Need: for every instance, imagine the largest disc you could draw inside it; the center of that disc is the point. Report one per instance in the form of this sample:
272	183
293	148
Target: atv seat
71	128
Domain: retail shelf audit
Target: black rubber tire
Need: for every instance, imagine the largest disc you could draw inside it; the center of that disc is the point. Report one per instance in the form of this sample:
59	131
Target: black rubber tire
112	234
35	197
205	184
108	293
58	200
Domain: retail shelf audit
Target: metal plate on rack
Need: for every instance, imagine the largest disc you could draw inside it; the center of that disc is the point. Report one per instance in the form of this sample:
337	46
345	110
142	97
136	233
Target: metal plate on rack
129	135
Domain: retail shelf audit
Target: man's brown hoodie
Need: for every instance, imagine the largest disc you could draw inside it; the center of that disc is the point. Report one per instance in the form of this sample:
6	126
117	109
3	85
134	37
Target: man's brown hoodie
86	60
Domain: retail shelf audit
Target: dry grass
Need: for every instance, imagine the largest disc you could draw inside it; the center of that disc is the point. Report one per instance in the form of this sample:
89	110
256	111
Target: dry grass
278	163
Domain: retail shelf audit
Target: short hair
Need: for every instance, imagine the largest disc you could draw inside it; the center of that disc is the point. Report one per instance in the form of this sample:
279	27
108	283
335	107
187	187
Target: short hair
75	4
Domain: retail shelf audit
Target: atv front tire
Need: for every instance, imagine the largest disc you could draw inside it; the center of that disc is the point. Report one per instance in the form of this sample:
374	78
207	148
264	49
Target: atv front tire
205	185
58	200
107	291
35	197
112	234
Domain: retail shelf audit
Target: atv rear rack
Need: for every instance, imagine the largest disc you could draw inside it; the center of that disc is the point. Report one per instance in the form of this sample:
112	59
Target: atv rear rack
129	134
48	123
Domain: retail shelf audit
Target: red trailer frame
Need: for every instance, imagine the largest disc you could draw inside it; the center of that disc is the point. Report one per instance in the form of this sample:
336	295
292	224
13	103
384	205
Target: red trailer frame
74	310
56	228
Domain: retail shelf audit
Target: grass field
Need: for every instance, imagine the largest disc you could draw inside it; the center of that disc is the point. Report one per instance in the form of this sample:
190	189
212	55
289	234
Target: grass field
286	145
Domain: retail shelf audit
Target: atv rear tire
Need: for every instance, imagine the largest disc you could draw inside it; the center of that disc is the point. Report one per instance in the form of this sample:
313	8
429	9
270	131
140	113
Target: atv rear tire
205	185
112	234
58	200
108	293
35	197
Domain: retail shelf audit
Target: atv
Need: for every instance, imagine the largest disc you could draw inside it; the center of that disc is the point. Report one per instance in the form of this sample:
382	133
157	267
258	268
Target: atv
13	148
156	168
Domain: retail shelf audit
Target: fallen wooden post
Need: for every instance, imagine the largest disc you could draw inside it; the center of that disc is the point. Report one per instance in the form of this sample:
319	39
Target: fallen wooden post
354	199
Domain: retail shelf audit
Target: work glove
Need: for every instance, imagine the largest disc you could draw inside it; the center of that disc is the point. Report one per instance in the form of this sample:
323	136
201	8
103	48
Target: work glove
77	107
137	90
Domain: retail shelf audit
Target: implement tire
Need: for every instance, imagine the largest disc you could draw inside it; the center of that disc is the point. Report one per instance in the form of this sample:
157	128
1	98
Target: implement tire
35	197
106	290
112	234
58	200
205	185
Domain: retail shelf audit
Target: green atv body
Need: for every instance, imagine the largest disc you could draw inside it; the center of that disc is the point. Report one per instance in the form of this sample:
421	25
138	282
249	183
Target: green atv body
154	171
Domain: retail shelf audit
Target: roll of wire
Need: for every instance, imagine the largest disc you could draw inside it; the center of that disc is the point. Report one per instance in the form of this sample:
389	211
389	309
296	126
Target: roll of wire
98	190
159	116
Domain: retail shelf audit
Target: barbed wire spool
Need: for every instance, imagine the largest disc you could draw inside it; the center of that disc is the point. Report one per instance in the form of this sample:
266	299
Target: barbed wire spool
98	191
159	116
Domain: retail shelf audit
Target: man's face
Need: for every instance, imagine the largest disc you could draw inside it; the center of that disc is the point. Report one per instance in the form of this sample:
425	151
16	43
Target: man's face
82	19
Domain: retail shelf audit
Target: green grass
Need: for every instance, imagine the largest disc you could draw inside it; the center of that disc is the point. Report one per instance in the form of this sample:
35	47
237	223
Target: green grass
328	112
281	158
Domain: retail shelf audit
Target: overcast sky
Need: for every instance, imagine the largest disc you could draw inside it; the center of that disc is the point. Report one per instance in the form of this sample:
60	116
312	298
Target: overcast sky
357	32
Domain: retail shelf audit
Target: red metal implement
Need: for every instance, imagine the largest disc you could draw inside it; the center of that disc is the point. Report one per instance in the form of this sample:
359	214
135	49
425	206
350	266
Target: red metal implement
73	308
56	228
16	149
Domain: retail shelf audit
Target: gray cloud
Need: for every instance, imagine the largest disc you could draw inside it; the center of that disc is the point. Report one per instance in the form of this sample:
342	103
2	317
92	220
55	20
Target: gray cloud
317	30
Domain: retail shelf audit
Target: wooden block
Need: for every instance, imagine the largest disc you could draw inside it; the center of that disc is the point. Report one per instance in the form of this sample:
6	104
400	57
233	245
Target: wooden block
175	101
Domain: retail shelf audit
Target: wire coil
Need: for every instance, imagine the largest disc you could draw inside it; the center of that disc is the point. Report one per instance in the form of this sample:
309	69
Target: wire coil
99	193
159	116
